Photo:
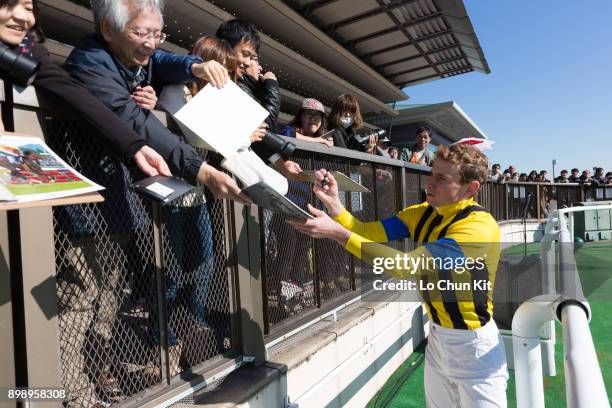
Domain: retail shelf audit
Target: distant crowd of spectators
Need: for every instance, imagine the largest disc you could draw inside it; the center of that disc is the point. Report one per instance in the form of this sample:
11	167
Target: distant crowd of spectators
511	174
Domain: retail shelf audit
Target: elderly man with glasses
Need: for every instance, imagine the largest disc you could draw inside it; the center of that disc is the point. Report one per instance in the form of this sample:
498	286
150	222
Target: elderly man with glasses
121	63
121	66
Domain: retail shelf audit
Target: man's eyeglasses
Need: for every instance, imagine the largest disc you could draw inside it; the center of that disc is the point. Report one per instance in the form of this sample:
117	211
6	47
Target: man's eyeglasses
158	37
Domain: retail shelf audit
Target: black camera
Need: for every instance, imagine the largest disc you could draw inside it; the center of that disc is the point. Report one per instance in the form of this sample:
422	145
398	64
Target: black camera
276	144
362	137
20	67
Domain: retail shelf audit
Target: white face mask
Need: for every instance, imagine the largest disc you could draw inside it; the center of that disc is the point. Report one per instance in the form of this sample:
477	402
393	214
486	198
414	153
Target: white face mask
346	121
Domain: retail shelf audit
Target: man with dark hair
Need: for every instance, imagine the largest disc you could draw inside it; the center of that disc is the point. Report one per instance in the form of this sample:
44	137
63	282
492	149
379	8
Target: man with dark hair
575	177
543	174
585	178
562	178
418	152
495	173
243	37
465	361
598	177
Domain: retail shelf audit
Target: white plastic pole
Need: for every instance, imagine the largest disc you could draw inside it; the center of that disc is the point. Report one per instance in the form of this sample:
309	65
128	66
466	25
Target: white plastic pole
526	324
584	385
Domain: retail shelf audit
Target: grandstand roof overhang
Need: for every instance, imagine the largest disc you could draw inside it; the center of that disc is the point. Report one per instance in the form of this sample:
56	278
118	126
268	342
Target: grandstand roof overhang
187	20
447	118
379	45
317	48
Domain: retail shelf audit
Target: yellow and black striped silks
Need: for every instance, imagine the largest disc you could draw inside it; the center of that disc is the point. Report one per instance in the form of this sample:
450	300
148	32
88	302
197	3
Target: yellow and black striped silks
462	229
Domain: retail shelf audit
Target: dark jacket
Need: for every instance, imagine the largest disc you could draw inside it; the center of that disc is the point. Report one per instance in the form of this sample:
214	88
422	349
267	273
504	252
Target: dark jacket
94	67
345	138
70	96
267	93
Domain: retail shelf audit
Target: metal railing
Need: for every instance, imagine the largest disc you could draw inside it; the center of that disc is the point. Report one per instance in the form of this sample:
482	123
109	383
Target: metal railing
143	292
305	278
146	300
563	300
150	299
506	201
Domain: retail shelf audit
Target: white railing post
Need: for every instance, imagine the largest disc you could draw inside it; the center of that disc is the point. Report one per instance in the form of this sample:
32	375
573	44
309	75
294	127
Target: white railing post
584	385
526	325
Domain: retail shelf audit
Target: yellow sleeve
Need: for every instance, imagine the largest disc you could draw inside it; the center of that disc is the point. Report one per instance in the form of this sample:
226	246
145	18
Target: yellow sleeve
393	228
367	250
373	231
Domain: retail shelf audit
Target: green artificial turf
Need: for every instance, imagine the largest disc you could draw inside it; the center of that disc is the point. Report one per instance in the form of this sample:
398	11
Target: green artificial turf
405	387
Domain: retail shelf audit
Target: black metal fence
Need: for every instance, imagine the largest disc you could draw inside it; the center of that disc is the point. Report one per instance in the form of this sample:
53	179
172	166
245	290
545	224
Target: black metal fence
143	292
146	295
306	277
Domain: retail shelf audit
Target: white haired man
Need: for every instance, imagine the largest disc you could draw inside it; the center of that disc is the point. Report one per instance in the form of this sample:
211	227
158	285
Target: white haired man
121	65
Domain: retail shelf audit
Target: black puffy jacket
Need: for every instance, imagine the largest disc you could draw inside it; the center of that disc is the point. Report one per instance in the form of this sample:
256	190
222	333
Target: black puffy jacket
267	93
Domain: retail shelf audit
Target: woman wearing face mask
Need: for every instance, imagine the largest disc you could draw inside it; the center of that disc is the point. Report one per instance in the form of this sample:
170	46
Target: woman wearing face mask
20	31
345	119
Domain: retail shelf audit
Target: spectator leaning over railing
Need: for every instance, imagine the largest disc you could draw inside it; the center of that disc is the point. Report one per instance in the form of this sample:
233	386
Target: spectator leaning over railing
290	277
345	119
598	177
69	95
418	152
242	36
394	152
495	173
123	57
309	124
575	176
195	257
562	177
585	177
532	177
121	66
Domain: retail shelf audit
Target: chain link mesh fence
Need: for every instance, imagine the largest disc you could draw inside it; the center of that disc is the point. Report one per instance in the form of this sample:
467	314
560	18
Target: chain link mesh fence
108	295
302	274
289	258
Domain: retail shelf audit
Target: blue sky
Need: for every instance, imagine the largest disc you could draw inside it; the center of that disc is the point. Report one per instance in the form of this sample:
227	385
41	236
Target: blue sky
549	93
